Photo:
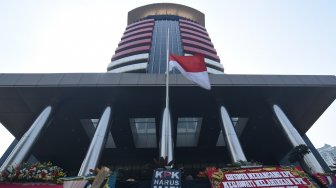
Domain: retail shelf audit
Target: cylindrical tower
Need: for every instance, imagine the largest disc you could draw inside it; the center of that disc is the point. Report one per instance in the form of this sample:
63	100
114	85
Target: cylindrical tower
142	48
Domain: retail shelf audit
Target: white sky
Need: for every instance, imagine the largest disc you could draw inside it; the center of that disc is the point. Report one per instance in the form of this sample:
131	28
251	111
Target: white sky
250	36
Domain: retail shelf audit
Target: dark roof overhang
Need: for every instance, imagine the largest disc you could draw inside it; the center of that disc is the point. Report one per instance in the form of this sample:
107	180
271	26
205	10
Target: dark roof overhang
23	96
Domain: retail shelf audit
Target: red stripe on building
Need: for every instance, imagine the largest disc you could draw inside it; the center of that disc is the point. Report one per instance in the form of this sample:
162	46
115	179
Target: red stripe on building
207	54
145	42
131	51
192	37
193	32
196	44
139	22
182	25
193	23
136	37
151	24
138	31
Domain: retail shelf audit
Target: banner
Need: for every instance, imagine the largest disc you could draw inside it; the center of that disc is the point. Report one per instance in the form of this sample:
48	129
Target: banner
166	178
326	179
280	177
29	185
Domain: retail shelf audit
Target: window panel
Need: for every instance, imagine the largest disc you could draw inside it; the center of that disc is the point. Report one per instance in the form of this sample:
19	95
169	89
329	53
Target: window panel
158	58
188	130
144	132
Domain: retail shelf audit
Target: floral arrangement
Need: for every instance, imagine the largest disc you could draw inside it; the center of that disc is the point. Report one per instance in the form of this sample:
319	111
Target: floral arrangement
204	173
237	165
37	172
297	153
241	163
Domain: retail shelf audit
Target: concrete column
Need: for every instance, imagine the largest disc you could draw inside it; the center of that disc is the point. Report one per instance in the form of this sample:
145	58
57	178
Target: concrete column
231	138
166	140
23	147
295	139
97	144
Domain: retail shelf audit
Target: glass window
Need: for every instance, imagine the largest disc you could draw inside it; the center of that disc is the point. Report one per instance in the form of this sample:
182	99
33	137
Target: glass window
144	132
188	130
158	58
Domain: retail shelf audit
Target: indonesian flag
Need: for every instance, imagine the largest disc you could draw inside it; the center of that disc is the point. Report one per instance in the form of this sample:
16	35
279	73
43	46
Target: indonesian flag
192	67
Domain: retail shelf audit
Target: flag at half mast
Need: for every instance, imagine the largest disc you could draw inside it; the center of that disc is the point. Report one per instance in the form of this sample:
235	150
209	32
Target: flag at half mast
191	67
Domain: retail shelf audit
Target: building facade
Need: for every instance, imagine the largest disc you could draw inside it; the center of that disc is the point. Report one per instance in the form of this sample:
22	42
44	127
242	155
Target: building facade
143	46
84	120
328	153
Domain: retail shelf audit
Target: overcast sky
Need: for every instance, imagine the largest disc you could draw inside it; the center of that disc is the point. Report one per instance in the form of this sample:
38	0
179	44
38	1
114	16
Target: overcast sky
250	36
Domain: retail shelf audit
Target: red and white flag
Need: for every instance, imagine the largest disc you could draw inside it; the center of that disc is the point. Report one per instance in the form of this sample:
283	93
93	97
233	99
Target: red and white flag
192	67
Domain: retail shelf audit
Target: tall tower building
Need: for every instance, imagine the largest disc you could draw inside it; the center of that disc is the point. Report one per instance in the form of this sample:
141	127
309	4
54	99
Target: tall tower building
142	48
80	121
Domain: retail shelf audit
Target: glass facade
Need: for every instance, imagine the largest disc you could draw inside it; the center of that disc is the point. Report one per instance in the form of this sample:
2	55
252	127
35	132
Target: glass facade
158	58
144	132
188	130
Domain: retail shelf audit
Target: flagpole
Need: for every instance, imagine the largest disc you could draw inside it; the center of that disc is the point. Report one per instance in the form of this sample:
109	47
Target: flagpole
166	146
167	72
166	110
168	120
